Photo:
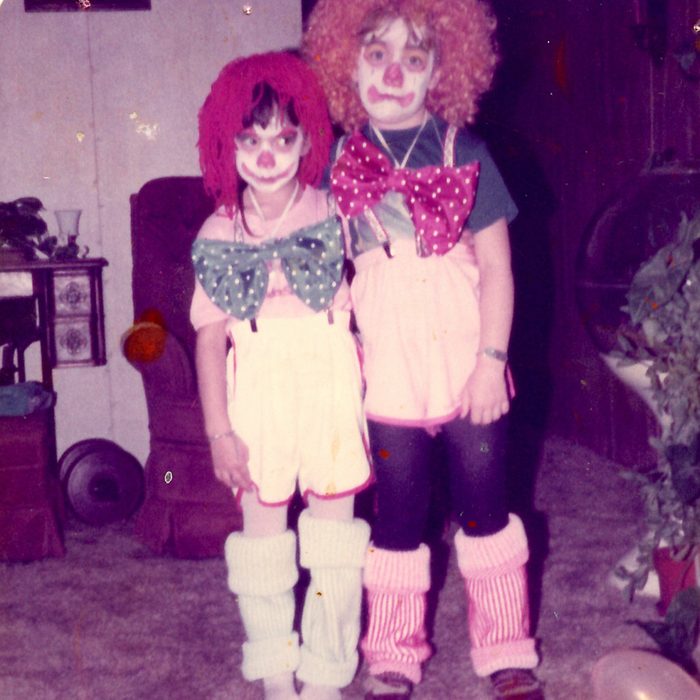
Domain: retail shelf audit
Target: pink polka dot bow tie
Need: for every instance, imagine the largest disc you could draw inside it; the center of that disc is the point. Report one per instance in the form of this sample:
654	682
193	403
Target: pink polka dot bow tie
439	198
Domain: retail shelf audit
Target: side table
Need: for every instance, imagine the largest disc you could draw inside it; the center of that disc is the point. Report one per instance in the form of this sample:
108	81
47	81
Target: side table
69	316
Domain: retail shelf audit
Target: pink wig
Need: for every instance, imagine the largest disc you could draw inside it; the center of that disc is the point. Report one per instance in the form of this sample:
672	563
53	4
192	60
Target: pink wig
231	102
460	31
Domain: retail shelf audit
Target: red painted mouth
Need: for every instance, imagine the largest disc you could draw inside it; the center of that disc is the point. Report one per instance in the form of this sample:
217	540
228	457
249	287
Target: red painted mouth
376	96
261	178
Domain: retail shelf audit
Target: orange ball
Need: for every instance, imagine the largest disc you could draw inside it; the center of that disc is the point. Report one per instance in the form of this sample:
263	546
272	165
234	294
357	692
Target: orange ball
144	342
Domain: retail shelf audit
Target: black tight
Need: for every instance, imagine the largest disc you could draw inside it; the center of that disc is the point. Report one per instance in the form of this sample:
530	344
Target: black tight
404	459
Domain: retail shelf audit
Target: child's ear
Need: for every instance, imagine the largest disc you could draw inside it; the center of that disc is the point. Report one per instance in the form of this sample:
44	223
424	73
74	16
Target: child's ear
305	146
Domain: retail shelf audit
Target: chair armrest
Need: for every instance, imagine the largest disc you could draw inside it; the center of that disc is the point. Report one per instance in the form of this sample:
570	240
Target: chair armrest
160	357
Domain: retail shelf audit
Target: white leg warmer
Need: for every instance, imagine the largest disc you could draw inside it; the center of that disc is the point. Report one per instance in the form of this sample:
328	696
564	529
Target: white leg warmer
334	552
262	572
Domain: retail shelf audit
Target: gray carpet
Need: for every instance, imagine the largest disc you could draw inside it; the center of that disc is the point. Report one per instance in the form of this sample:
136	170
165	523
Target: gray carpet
110	621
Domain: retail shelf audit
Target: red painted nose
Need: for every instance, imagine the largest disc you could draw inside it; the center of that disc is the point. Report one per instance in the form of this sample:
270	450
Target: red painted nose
266	159
393	75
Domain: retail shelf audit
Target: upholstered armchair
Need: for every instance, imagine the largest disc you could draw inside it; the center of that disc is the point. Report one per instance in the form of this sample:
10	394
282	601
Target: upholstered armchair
186	512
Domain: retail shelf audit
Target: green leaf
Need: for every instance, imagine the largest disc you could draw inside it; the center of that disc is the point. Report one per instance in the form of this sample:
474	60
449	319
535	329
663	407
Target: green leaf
685	470
677	635
30	205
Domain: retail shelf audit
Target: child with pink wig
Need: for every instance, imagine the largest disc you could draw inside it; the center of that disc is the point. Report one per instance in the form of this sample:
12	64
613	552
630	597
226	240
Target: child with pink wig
283	407
428	218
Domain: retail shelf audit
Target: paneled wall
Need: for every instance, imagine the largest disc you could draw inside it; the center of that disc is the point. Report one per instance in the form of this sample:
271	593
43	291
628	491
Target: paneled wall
578	110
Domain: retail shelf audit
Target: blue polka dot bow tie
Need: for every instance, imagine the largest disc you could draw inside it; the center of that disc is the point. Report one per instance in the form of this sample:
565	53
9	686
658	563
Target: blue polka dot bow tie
439	198
235	276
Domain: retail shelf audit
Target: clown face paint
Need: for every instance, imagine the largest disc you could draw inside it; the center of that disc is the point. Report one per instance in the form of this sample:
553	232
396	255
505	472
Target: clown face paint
394	72
268	158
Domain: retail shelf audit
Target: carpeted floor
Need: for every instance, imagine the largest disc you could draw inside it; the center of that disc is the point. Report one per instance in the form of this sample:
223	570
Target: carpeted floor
112	622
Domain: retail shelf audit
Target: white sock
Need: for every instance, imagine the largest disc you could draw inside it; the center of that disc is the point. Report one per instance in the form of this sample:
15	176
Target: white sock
320	692
280	687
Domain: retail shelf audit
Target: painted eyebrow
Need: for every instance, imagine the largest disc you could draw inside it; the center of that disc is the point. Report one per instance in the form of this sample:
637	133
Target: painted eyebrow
288	131
372	39
414	41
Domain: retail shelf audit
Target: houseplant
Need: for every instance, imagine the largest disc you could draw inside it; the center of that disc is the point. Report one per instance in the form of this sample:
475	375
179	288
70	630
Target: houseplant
23	234
677	633
22	230
663	304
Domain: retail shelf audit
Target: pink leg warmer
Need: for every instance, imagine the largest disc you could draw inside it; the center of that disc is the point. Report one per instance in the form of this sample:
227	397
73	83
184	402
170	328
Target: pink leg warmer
493	568
396	584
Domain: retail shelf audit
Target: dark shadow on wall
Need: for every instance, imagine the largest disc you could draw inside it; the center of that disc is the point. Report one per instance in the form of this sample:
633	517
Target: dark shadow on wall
531	336
514	151
511	144
306	7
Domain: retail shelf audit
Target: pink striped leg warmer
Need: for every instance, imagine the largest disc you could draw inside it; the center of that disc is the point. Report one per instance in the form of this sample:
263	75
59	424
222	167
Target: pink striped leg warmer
494	574
396	584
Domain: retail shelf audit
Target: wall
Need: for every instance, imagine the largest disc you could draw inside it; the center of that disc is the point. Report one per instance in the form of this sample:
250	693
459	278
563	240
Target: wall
578	110
94	104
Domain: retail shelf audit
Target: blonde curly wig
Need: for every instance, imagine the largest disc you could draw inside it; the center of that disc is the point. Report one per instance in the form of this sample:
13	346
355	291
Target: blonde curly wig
461	31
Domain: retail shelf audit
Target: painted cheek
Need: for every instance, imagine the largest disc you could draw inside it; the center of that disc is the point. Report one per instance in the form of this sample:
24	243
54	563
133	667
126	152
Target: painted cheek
415	88
245	163
419	81
368	77
286	160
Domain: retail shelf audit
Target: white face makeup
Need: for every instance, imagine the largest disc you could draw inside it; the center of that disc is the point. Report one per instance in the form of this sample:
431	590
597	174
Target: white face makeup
268	159
394	73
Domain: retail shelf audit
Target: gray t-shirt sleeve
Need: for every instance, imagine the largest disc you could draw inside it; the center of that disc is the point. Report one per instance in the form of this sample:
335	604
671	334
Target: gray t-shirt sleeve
493	201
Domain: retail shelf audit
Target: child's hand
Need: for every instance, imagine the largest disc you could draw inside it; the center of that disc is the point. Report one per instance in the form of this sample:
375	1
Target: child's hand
230	457
485	397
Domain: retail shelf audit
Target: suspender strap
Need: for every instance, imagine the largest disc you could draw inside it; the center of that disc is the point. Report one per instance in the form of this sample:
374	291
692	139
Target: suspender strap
339	147
448	147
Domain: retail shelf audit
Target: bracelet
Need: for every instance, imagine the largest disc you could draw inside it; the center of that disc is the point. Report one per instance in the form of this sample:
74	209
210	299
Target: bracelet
218	436
495	354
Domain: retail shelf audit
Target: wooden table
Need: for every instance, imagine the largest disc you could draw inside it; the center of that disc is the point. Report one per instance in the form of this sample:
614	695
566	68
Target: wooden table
70	311
63	309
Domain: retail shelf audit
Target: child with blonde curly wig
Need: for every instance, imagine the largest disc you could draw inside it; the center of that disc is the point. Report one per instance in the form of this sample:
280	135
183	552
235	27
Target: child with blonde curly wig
283	407
428	214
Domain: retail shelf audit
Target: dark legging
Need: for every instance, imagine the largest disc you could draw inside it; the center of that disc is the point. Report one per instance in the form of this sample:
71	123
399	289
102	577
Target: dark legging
404	462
